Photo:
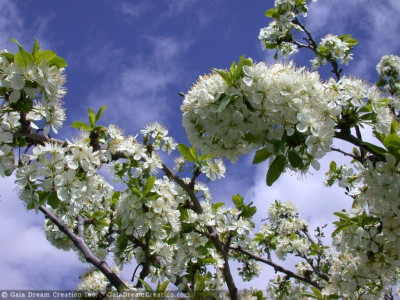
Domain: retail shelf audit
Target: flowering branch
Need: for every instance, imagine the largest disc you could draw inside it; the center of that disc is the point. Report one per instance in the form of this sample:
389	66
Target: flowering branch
189	189
80	244
276	267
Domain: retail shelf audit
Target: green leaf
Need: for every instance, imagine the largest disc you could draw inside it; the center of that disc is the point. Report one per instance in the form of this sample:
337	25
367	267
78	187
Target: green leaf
58	61
217	205
224	102
373	148
100	112
149	185
43	196
46	55
261	155
249	211
92	117
232	70
276	169
9	56
271	13
162	287
392	143
36	48
53	200
279	146
146	285
379	136
186	153
194	153
238	201
81	125
295	160
204	157
23	58
394	127
209	260
242	62
226	76
332	166
16	42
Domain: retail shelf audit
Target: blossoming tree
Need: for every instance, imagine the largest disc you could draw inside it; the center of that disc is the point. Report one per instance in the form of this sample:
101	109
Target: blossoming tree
163	217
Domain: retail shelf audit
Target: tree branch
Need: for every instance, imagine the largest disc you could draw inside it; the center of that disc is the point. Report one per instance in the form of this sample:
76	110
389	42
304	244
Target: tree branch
80	244
276	267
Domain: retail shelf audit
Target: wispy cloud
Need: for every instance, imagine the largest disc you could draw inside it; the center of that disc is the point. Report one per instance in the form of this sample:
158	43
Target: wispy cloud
134	10
27	259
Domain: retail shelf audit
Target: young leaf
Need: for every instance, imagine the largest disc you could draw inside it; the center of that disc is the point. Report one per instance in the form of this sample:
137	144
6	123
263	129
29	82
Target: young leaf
46	55
392	143
276	169
146	285
238	201
58	61
92	117
161	287
226	76
23	58
185	152
149	185
81	125
36	48
194	153
261	155
100	112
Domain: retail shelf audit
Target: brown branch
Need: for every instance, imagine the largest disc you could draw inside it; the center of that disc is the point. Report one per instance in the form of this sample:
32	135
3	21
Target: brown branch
276	267
80	244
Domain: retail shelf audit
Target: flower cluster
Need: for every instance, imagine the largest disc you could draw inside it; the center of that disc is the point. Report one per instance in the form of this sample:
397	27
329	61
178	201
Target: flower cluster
332	47
285	232
269	103
278	34
35	89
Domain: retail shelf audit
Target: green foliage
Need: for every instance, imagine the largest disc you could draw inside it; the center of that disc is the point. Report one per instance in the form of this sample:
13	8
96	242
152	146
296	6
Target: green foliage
276	169
24	58
261	155
93	119
247	211
233	75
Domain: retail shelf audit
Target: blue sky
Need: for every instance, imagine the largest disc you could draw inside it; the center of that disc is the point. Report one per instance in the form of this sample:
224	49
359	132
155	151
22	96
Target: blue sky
135	56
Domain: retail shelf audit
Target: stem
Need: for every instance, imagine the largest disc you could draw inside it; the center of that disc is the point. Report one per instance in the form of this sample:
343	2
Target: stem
276	267
347	154
357	142
80	244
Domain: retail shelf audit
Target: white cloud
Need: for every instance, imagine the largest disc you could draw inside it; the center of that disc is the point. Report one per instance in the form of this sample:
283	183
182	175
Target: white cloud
134	10
11	24
27	259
